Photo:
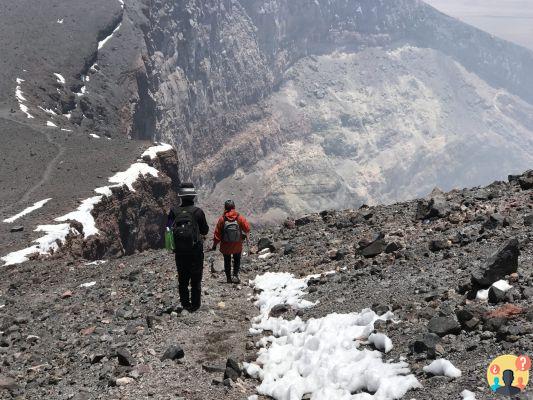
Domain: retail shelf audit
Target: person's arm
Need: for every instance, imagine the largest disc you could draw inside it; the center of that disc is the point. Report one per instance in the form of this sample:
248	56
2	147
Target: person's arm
217	236
202	222
170	219
245	225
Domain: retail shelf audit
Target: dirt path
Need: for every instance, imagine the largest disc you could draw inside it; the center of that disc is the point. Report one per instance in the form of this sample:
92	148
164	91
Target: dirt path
78	334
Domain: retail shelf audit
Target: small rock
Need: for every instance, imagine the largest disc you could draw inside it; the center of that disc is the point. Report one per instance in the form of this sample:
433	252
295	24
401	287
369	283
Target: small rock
124	381
443	326
7	383
496	295
438	245
125	358
16	229
173	352
500	264
67	294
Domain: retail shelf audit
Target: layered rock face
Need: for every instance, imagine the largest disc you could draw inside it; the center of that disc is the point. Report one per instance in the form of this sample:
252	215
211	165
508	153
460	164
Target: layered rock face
292	106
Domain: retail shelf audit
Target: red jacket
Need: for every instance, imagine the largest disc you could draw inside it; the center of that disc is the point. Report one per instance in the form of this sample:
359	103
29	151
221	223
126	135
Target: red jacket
225	247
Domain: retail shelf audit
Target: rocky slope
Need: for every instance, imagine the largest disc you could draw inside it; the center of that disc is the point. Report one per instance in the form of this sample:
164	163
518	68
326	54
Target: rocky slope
425	260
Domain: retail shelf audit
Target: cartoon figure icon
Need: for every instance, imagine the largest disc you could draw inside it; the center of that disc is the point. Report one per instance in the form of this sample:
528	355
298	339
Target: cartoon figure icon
508	389
508	375
496	384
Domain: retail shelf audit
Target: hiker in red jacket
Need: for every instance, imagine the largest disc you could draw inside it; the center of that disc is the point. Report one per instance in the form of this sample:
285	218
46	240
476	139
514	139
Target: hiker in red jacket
231	230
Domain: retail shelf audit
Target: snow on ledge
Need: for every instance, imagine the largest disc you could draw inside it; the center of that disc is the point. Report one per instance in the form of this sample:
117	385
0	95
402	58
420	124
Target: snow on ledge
28	210
322	356
60	78
56	234
103	42
502	284
152	151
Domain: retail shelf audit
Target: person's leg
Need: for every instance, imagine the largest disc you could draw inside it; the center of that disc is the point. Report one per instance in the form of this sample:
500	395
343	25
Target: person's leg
196	281
227	267
184	277
236	267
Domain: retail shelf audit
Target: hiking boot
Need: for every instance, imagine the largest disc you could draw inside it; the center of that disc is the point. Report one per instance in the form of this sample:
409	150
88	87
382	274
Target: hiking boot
194	308
235	279
229	280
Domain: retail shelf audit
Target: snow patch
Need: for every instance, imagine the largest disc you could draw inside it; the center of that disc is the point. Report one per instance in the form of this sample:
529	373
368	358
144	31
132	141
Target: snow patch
502	284
87	285
320	357
84	216
66	130
468	395
94	135
48	111
26	211
442	367
152	151
381	342
51	124
60	21
97	262
59	78
103	42
24	109
121	3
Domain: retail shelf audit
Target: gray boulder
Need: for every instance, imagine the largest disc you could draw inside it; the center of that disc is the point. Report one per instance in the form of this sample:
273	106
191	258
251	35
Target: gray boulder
500	264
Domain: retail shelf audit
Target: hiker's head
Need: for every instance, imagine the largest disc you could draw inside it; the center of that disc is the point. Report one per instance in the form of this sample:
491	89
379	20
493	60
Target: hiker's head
187	192
229	205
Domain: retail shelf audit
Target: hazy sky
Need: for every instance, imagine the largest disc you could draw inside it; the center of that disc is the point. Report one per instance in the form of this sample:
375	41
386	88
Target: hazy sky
508	19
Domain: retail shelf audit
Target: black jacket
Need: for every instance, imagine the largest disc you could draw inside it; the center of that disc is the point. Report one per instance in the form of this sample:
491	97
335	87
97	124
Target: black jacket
198	215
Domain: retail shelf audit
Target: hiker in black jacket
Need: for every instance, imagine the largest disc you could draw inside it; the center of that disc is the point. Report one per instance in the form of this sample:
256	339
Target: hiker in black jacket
189	227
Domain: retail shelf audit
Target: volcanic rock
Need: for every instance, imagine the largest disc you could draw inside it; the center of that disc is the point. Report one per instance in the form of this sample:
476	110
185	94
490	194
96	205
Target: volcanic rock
443	326
500	264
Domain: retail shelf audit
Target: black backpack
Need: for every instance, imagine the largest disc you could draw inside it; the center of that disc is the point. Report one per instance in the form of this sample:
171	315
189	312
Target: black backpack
185	230
231	232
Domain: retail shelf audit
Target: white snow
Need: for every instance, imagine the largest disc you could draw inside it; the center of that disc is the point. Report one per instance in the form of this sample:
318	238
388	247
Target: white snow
381	342
51	124
264	251
442	367
60	21
502	284
24	109
56	234
67	116
152	151
103	42
19	95
19	80
82	91
48	111
94	135
121	3
60	78
66	130
84	216
320	357
26	211
97	262
87	285
468	395
265	256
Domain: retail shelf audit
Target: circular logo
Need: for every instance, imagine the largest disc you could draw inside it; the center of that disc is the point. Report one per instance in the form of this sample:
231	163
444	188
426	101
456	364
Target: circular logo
508	374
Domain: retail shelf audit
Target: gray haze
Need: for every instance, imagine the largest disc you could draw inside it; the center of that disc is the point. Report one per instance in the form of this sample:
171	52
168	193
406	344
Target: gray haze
509	19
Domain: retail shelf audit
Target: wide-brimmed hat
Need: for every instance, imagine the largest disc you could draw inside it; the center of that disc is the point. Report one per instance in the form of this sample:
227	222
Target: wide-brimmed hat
187	190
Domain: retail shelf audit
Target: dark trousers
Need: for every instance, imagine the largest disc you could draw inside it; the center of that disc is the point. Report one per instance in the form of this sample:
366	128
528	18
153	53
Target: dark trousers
236	264
190	270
